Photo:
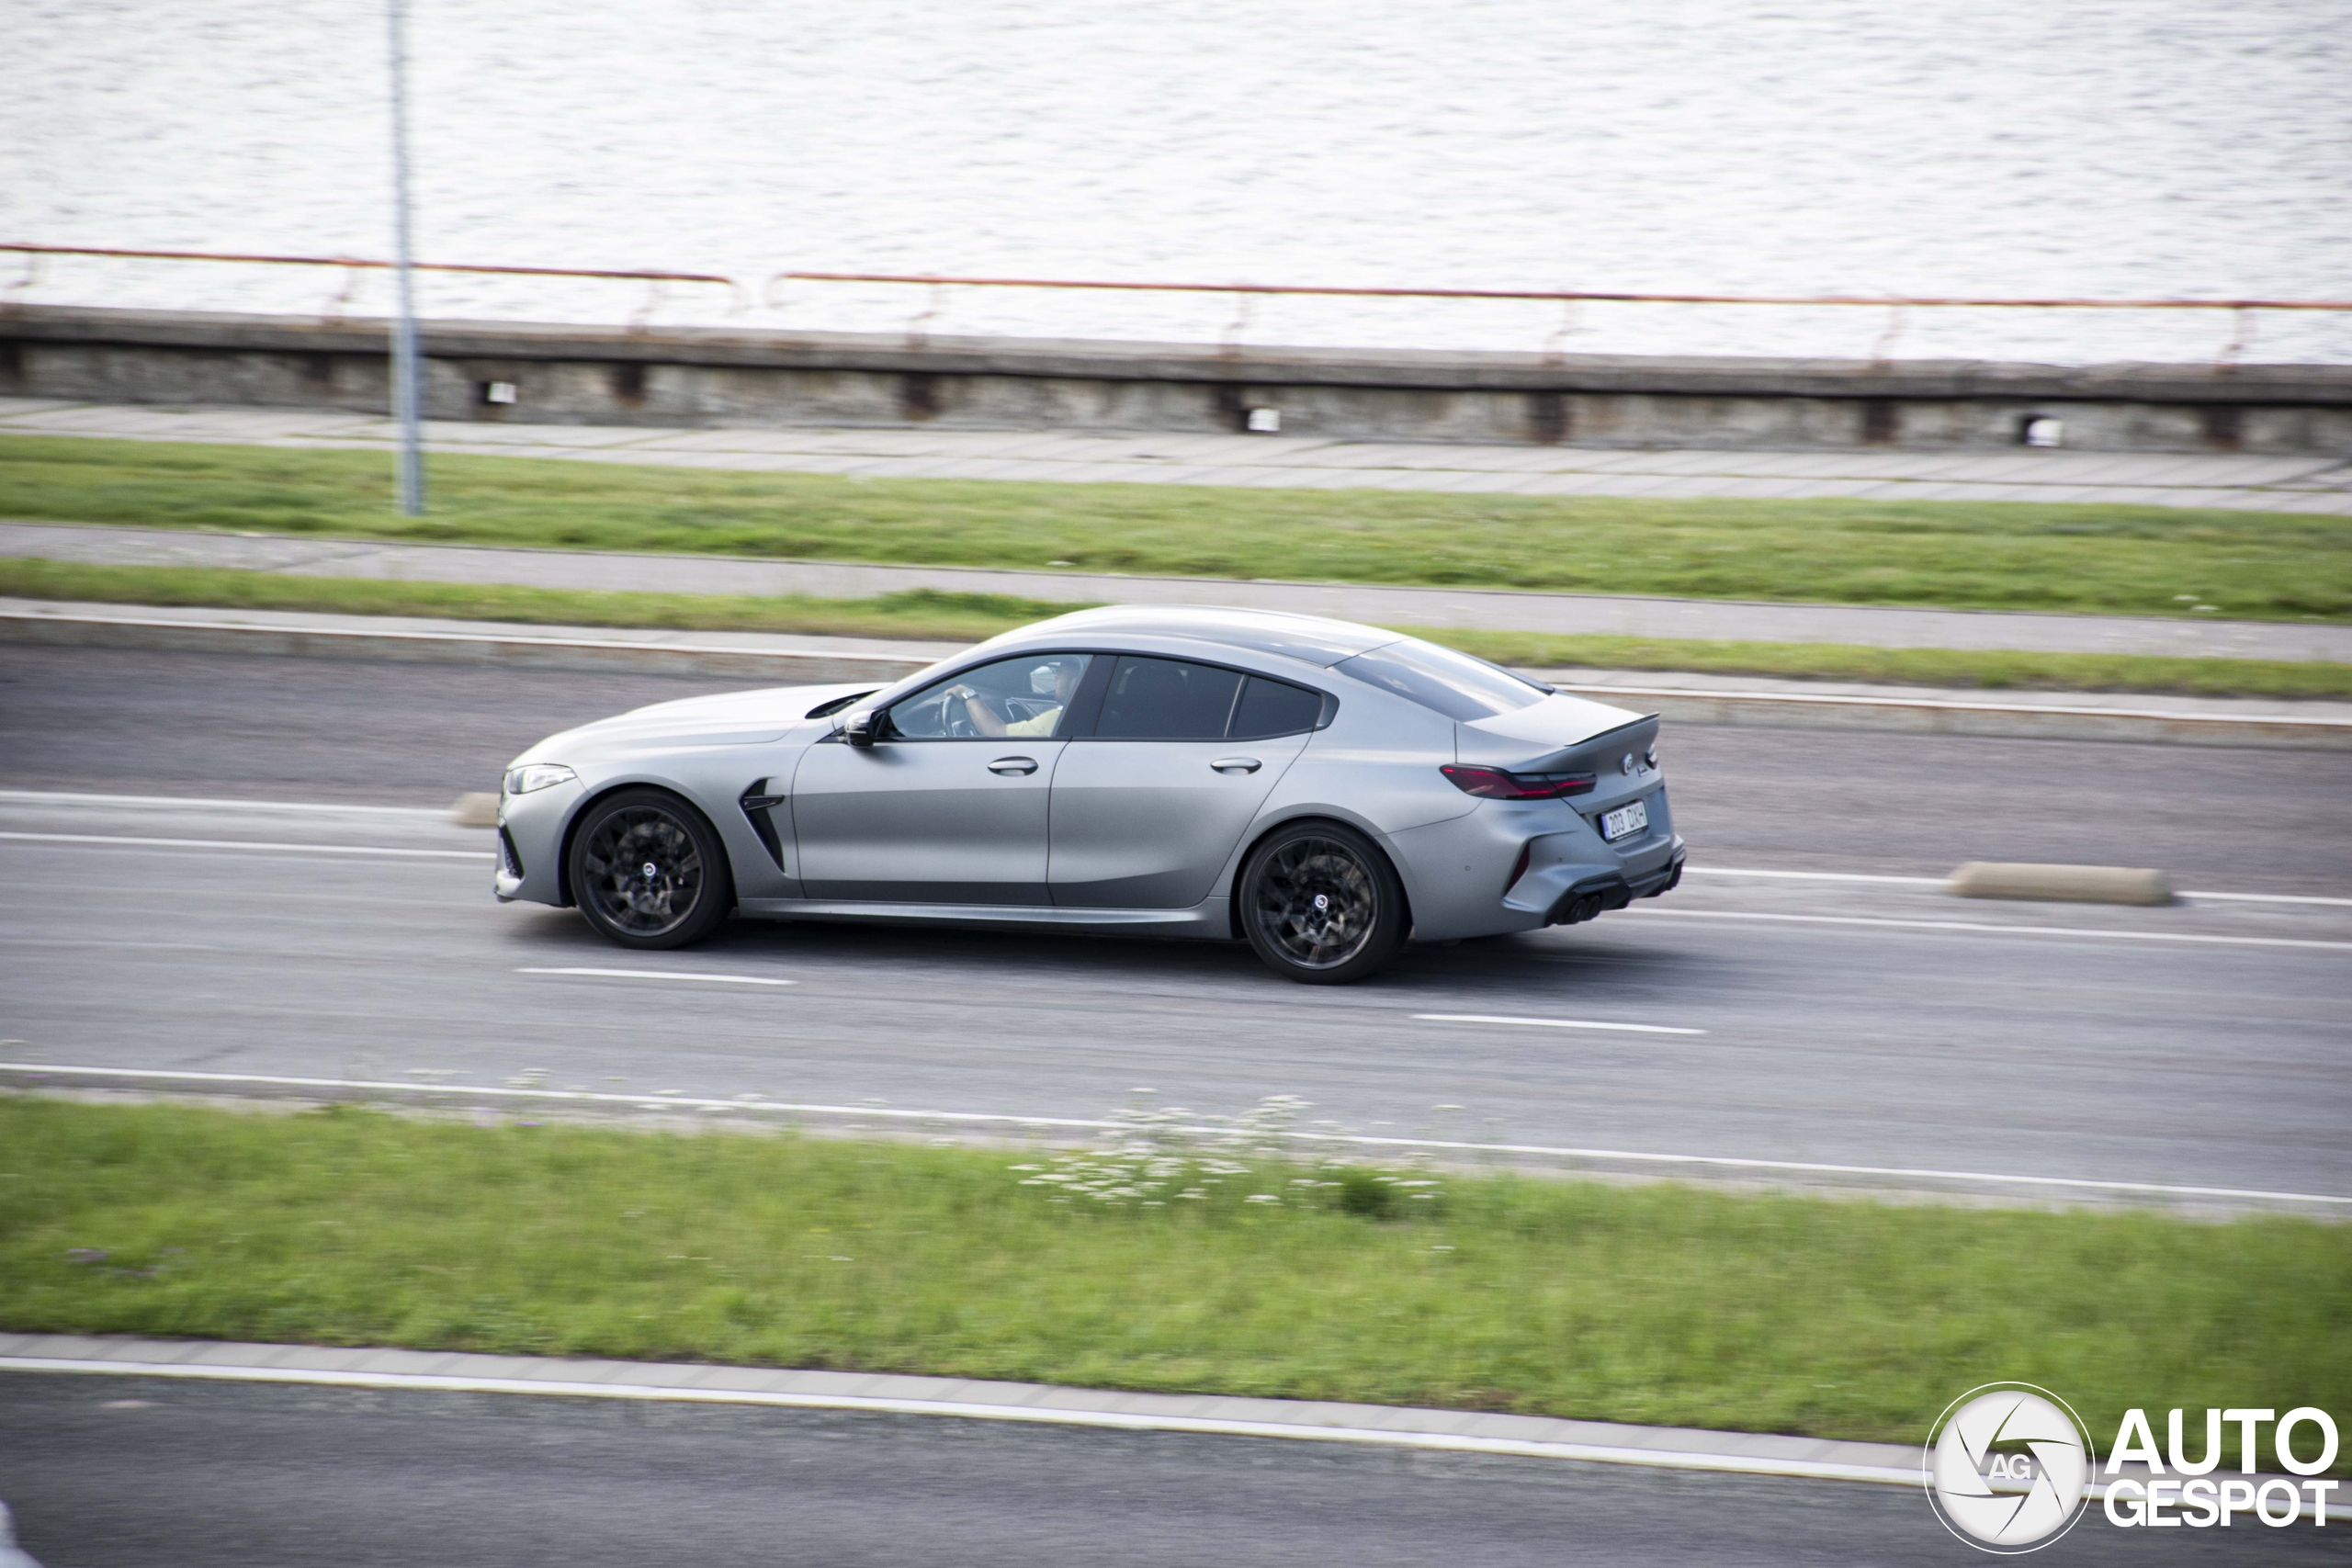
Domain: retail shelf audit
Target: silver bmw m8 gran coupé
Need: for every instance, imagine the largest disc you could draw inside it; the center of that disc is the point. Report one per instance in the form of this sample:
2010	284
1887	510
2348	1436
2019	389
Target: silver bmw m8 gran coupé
1324	791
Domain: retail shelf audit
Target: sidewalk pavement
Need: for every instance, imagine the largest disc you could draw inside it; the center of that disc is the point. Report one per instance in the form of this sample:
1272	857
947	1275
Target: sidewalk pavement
2315	483
1487	609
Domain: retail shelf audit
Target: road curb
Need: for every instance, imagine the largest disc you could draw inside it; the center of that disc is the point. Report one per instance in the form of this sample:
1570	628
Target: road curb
785	666
1762	1454
1532	1437
991	1127
1925	716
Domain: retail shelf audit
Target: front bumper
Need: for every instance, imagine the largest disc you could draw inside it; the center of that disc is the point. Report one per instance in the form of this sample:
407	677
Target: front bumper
530	843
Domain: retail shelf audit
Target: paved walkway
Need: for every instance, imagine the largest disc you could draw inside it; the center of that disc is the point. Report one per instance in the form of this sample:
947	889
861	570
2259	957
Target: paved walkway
2321	483
1487	609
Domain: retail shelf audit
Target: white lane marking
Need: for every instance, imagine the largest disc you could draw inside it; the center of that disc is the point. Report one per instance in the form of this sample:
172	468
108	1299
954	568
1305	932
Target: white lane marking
1550	1023
1001	1119
441	814
1688	870
147	802
247	844
665	975
2269	898
1994	930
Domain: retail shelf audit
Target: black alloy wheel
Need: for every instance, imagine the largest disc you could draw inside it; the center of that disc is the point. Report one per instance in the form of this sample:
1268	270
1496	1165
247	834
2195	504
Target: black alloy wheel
648	870
1321	905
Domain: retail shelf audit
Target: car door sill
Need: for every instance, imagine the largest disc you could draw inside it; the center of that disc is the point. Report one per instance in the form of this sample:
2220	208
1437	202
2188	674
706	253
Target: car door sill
1209	913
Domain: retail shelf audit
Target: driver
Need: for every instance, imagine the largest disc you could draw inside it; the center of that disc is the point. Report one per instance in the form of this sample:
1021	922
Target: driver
989	718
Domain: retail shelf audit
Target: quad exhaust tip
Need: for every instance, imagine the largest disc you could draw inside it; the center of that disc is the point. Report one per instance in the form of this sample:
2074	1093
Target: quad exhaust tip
2059	884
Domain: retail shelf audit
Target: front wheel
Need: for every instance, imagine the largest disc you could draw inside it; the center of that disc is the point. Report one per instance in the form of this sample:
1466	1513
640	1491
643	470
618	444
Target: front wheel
1321	905
648	870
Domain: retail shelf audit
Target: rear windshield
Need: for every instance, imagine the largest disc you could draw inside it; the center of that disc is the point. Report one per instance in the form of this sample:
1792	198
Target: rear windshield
1455	684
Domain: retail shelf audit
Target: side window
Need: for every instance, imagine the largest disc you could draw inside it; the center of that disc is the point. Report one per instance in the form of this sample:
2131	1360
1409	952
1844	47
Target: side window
1269	708
1013	697
1166	699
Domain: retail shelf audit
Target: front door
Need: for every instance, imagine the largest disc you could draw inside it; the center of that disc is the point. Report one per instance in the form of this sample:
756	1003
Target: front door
1149	808
949	805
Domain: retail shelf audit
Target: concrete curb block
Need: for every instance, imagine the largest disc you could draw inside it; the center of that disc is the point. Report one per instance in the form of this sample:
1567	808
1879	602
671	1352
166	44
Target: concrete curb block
2059	884
1785	709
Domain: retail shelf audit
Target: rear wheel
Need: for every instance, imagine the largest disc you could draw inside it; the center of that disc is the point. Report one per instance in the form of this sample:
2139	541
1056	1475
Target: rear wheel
1321	905
648	870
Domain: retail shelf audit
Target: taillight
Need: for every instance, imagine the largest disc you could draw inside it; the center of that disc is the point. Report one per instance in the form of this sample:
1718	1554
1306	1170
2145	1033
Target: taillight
1494	784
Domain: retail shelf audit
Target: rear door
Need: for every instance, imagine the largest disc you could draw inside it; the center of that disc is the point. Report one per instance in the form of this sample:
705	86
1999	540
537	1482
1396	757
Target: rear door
1148	807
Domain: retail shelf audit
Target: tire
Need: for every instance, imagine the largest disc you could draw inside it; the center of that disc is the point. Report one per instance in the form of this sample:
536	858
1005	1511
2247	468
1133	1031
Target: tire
647	870
1349	936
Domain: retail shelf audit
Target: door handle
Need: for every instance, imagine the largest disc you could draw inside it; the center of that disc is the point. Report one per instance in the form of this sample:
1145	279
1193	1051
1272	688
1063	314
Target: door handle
1237	764
1011	766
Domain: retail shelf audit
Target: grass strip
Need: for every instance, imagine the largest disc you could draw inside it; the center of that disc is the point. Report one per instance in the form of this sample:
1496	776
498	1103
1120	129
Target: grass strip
916	612
926	613
2003	555
1651	1303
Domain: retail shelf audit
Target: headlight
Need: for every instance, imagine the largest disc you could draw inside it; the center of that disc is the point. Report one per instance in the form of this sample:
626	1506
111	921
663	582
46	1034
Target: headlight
537	776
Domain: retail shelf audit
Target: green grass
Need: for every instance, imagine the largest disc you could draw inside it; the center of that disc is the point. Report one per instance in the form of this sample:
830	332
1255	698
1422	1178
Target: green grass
1653	1303
925	612
916	612
2011	555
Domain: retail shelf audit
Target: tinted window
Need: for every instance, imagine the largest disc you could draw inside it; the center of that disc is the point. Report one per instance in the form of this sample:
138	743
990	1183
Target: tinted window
1275	707
1011	697
1166	699
1454	683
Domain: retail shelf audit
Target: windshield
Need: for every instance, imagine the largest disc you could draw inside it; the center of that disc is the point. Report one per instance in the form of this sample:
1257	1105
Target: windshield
1455	684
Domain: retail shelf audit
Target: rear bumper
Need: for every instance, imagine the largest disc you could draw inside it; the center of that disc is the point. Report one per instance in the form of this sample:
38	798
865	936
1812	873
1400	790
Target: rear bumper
1597	895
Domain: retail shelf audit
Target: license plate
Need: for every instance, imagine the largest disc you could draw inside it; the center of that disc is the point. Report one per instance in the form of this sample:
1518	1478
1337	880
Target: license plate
1625	821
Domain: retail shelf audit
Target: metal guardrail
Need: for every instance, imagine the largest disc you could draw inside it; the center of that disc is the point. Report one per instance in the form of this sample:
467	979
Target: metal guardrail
2242	310
657	278
1246	295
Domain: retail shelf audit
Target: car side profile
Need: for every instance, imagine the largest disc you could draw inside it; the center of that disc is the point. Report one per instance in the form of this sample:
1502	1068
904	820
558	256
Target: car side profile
1326	792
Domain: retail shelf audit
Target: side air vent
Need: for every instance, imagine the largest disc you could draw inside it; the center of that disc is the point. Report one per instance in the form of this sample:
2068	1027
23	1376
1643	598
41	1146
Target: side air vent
757	800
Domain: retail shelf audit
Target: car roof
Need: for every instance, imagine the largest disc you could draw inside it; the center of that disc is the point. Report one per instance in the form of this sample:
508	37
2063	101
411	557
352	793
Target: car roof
1312	639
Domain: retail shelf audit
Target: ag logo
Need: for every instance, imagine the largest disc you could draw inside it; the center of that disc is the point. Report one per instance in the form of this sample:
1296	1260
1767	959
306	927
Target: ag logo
2005	1467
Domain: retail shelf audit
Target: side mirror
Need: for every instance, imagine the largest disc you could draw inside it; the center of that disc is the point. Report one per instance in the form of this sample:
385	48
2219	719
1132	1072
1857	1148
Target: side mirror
861	728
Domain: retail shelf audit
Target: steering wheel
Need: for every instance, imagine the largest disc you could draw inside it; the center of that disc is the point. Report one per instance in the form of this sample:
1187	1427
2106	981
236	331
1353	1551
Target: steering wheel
955	718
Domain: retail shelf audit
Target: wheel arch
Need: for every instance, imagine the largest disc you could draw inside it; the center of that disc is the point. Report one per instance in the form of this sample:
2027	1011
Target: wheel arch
1300	818
587	804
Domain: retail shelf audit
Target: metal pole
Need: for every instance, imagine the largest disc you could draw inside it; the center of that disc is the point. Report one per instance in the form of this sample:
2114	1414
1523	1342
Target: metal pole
407	394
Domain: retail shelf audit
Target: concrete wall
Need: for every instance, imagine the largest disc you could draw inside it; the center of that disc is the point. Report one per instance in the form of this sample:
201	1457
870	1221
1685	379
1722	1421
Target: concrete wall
705	376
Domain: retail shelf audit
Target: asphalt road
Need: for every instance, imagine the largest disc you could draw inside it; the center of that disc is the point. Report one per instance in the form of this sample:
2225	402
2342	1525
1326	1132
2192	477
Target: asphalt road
106	1472
131	722
2128	1055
